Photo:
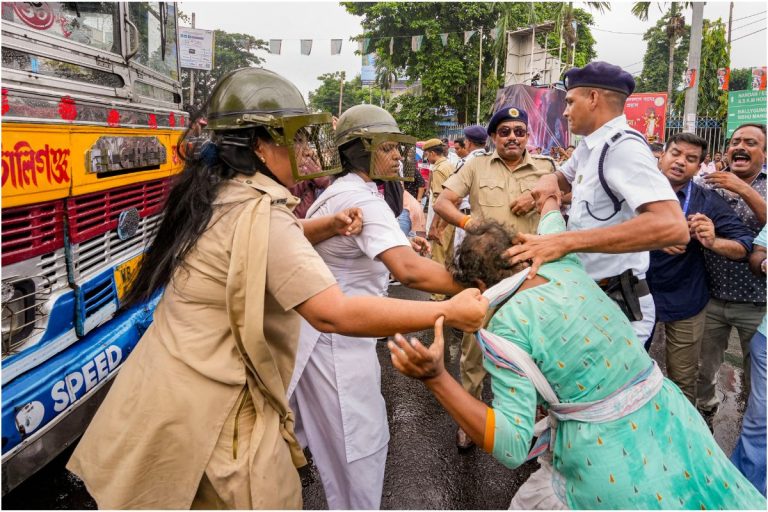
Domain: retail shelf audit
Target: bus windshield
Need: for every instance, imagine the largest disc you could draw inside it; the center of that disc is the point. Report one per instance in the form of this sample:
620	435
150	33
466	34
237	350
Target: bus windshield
156	23
95	24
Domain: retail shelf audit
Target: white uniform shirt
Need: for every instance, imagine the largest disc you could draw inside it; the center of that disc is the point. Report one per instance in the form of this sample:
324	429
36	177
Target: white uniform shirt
465	200
353	259
633	176
354	262
453	157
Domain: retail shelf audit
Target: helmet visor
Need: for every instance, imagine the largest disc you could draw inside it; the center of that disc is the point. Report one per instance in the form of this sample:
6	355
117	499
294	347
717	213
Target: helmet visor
309	138
393	156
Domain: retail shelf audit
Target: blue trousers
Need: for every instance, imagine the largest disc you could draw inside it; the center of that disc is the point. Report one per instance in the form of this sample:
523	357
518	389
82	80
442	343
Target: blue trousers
749	454
405	221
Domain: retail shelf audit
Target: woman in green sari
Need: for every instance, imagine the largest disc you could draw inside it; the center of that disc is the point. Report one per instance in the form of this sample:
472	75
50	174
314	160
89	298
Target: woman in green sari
625	436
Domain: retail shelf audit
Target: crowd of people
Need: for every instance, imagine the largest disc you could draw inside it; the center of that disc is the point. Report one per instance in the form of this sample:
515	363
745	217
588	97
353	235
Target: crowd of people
558	269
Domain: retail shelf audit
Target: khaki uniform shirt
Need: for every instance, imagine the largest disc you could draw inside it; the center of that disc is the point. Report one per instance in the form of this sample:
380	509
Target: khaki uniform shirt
493	187
441	171
152	438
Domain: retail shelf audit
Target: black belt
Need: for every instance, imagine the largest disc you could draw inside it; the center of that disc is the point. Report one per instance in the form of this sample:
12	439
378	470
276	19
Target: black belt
641	288
465	211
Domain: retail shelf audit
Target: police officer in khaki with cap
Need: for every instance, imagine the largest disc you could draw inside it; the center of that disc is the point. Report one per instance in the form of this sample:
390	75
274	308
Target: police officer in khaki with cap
440	234
499	187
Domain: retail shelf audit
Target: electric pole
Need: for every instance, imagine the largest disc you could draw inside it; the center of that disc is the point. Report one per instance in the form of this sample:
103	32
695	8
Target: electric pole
694	62
341	90
192	76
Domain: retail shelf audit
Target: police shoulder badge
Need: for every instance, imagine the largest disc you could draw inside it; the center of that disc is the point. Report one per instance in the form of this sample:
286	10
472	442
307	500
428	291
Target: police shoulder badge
513	112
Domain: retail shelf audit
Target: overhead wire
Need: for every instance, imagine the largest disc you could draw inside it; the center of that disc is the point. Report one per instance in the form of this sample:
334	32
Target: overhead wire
748	24
747	35
750	16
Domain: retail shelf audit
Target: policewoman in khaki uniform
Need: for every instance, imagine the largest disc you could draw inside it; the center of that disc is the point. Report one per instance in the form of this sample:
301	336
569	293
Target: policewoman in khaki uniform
438	232
499	187
198	415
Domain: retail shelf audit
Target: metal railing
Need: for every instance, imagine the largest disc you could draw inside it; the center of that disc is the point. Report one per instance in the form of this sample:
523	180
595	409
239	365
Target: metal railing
710	128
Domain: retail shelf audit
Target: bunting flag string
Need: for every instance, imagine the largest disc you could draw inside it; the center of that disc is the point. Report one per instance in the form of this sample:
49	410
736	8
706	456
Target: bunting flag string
365	44
416	43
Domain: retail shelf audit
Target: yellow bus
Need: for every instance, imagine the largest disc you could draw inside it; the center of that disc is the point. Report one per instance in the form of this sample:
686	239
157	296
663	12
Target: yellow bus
91	114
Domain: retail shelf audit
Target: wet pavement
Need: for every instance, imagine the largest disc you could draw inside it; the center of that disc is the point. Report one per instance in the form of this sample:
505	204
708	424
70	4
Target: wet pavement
424	469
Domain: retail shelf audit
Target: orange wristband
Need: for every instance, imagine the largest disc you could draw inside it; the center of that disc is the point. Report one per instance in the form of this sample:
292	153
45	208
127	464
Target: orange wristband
465	221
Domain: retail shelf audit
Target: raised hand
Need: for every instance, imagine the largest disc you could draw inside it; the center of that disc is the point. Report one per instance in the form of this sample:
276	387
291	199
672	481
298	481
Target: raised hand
414	359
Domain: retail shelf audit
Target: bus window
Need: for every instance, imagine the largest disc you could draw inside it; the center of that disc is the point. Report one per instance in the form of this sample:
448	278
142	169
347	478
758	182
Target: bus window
157	36
93	23
23	61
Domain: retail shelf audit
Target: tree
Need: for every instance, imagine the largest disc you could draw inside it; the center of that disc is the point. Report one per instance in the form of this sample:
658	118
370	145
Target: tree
714	55
741	79
656	68
231	52
675	28
326	97
415	115
449	73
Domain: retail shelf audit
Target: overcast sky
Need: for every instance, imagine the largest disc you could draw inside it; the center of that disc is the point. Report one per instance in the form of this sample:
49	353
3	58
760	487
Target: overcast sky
618	33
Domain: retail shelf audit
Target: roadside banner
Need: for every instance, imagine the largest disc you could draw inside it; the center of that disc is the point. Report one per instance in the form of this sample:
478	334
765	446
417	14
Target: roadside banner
368	69
723	79
547	127
745	107
758	79
689	80
647	113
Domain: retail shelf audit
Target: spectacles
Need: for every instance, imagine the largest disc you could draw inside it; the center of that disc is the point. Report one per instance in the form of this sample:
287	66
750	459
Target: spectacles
506	131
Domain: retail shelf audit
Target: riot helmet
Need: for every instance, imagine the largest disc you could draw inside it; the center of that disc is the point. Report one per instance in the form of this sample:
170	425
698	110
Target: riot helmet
369	138
252	98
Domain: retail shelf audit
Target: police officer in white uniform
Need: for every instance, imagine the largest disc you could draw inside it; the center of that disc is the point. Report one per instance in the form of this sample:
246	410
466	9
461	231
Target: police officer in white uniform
475	138
622	205
335	389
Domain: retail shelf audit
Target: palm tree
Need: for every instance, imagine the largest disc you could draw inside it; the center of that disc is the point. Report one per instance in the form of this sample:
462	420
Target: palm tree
675	30
385	76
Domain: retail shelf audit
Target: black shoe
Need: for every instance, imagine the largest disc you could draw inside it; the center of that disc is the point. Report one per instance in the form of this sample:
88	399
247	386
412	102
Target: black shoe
709	418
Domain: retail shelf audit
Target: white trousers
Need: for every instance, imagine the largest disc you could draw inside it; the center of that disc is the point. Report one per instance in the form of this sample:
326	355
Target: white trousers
643	328
537	493
347	485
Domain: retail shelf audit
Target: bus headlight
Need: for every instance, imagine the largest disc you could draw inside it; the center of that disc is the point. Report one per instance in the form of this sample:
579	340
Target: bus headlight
18	312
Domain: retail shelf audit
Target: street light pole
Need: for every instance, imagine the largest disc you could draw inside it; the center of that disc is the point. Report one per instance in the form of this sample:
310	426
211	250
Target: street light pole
192	76
479	77
341	90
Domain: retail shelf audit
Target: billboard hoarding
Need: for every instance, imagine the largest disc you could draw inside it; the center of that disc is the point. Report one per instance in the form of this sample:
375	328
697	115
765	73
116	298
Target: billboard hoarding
647	113
545	106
